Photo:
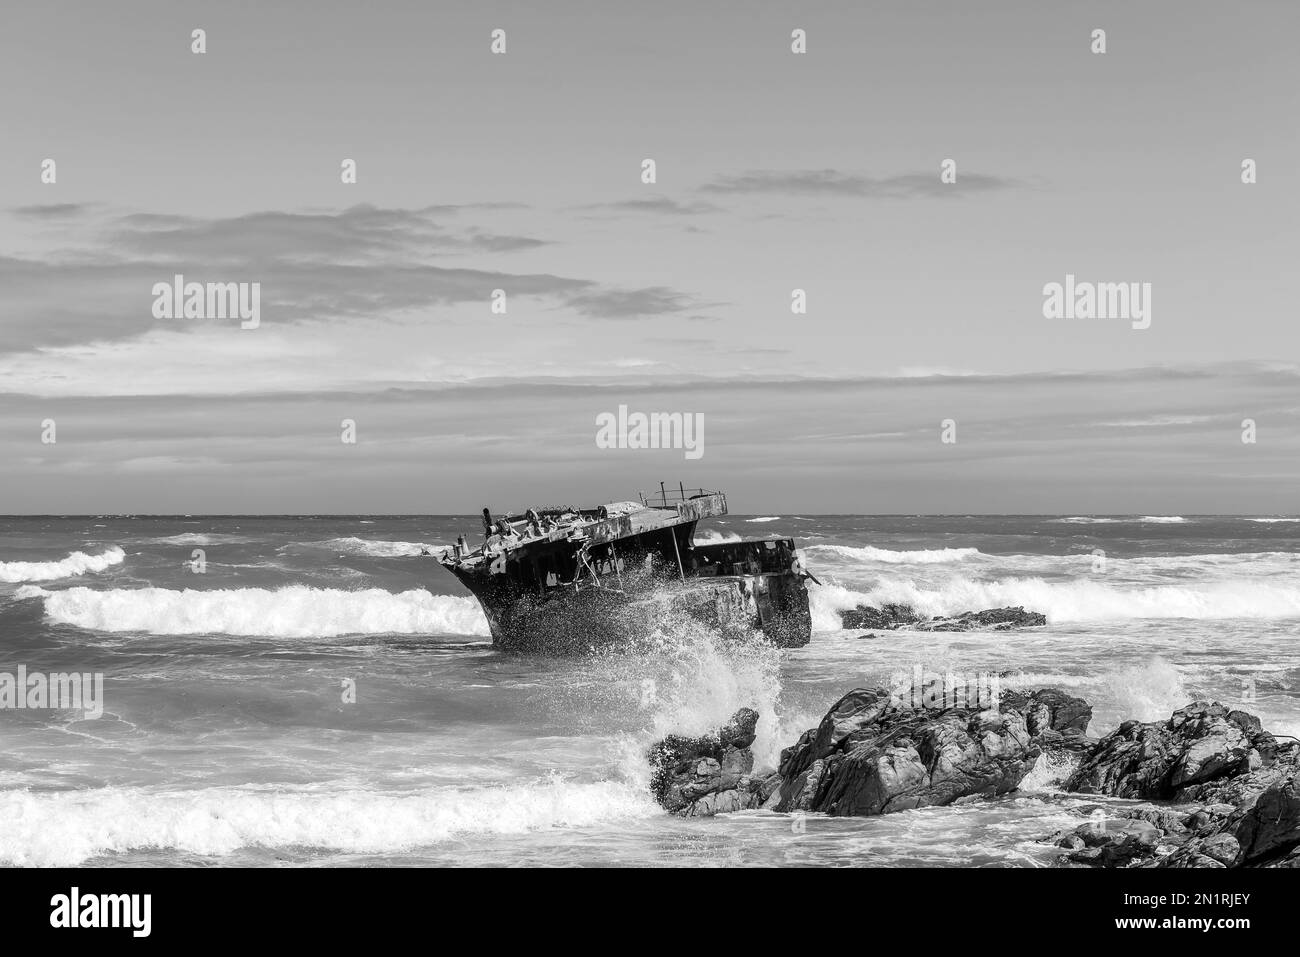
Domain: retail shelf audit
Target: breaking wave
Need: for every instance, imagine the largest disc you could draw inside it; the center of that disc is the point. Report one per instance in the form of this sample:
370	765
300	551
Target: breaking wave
293	612
885	555
69	827
78	563
765	518
1147	692
377	549
1074	601
1097	520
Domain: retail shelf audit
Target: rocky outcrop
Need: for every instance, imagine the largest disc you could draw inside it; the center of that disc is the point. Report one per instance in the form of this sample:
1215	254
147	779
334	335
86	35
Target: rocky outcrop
713	774
892	617
1231	791
1234	788
1050	710
1058	721
1200	744
886	617
869	756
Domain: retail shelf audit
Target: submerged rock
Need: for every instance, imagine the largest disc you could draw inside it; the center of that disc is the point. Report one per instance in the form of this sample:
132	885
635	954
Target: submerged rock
893	617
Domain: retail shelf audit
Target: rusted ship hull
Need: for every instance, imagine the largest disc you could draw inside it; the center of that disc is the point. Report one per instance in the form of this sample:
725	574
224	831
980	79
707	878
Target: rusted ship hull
614	575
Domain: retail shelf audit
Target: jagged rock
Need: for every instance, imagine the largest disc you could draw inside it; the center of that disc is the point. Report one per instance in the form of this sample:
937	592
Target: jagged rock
1203	753
713	774
870	756
1058	721
998	619
892	617
1291	860
1050	709
1163	759
1266	823
886	616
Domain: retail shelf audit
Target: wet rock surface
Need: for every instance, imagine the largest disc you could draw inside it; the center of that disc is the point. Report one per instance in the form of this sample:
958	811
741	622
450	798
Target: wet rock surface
1199	745
1216	790
712	774
892	617
1232	787
869	755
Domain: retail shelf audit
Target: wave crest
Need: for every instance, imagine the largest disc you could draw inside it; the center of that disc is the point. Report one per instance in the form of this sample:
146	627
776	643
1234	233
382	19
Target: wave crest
927	556
78	563
67	828
1075	601
377	549
293	612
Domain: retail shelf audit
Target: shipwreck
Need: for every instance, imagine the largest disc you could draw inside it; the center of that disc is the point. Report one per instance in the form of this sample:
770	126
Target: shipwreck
564	579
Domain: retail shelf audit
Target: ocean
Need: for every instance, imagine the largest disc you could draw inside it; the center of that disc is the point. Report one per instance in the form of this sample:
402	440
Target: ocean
320	693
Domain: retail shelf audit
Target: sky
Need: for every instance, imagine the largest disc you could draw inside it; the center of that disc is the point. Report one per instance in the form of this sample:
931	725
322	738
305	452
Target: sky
774	171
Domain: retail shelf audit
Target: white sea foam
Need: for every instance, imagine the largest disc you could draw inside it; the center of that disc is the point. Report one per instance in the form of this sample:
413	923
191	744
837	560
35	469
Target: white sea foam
199	538
1095	520
1072	601
765	518
709	536
64	828
78	563
1151	691
1271	521
377	549
1049	771
929	556
293	612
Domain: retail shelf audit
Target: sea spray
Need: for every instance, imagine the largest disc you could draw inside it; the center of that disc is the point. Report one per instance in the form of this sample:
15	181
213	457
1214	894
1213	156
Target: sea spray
1151	691
680	676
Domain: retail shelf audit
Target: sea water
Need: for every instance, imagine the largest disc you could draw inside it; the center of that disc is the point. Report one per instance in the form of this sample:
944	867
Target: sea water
316	691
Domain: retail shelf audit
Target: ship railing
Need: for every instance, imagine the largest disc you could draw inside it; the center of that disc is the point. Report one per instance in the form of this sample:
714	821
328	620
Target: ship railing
666	497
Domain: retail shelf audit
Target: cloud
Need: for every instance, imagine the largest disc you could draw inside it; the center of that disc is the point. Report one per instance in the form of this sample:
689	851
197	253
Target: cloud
655	205
632	303
830	182
51	210
357	234
868	444
362	261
